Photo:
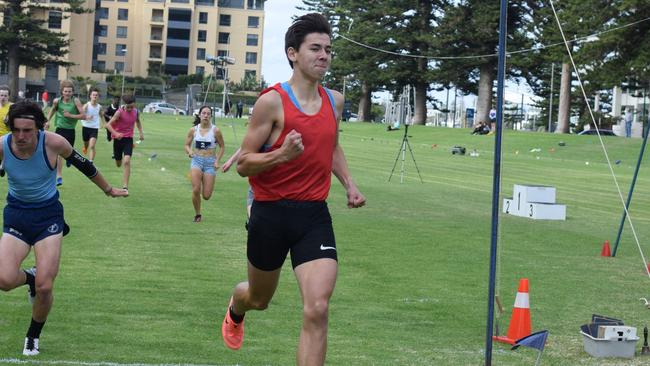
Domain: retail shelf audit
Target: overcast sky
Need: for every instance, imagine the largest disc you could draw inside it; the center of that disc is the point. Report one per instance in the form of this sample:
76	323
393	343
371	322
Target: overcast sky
278	14
275	68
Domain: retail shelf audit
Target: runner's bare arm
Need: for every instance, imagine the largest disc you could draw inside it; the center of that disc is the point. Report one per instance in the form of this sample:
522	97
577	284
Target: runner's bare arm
265	126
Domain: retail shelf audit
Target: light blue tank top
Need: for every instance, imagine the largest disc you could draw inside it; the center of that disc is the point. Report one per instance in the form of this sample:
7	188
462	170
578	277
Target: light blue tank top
31	180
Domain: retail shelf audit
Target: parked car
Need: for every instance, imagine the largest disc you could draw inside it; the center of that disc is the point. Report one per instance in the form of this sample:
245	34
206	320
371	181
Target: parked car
164	108
593	132
216	111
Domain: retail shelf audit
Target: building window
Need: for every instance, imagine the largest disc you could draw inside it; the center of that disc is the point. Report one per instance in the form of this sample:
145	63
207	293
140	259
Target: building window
222	53
121	32
200	53
123	14
251	39
251	57
155	52
181	1
203	18
224	20
178	52
102	13
253	22
157	15
100	48
102	31
234	4
180	15
250	74
204	2
200	70
255	4
119	66
224	38
100	66
177	33
51	71
120	50
203	36
54	20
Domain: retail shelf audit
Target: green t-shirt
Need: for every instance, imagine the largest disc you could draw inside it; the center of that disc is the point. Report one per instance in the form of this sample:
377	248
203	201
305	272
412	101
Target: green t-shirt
65	122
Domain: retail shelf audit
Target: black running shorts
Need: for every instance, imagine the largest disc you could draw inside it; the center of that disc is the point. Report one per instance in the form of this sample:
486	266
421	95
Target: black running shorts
87	133
68	134
123	146
276	228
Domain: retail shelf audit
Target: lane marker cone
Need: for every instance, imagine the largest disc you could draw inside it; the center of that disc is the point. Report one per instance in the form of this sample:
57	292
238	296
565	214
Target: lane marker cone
520	325
606	252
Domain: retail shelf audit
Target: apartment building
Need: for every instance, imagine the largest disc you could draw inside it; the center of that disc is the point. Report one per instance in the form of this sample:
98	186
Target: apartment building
143	37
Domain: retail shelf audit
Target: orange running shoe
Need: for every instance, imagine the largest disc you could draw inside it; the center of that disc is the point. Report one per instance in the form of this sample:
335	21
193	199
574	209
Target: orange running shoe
233	333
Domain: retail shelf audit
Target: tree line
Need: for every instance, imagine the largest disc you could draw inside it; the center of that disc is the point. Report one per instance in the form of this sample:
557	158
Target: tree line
437	44
430	45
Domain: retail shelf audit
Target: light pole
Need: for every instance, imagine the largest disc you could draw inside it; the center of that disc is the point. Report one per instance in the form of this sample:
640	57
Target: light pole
123	69
223	61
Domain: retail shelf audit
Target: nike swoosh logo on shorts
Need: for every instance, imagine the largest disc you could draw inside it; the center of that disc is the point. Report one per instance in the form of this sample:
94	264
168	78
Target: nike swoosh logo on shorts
322	247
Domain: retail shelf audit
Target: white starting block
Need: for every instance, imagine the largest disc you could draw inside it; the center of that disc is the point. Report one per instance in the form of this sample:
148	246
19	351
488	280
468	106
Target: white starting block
535	202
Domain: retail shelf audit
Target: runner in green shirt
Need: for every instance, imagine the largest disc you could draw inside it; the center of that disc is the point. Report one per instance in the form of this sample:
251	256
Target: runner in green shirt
67	111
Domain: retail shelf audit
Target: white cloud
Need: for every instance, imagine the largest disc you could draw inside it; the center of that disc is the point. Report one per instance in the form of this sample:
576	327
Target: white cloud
278	15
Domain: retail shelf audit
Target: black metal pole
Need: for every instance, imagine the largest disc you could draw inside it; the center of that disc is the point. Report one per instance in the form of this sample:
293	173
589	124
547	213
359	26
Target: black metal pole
496	182
629	194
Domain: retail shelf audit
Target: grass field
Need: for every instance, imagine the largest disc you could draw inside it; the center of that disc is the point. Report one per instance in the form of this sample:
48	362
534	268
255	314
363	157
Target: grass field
140	283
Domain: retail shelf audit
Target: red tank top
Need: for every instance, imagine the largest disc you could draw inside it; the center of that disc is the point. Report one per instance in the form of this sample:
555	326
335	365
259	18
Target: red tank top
308	177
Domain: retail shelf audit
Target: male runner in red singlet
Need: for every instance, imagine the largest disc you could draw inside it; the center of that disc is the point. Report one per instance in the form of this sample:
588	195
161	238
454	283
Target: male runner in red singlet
289	153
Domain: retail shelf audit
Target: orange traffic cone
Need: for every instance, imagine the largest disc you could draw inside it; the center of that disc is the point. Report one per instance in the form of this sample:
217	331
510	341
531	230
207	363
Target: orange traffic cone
606	252
520	325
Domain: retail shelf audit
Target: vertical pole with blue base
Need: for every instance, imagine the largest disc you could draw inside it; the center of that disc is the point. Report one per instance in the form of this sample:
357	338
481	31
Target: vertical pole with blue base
496	181
629	194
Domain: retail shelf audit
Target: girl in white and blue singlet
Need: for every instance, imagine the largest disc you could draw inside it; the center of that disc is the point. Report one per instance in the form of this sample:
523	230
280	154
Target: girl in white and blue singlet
201	145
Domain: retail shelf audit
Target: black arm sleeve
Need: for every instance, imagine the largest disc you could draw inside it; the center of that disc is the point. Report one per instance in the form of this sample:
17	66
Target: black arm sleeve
84	165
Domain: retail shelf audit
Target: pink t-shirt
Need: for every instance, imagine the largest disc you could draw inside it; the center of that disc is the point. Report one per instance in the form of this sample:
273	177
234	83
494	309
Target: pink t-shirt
126	122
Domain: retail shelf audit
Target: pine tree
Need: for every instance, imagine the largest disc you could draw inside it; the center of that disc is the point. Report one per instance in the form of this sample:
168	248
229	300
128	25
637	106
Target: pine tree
468	35
26	40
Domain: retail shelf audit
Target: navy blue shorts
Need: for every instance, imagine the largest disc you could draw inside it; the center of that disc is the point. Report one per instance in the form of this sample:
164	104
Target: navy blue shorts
276	228
32	225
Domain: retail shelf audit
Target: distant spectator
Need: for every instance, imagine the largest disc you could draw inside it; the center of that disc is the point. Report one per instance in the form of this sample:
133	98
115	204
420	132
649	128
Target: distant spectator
227	107
493	121
240	109
481	129
629	117
45	97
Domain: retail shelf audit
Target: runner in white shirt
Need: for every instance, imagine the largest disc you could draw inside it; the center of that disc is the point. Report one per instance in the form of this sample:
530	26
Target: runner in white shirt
90	128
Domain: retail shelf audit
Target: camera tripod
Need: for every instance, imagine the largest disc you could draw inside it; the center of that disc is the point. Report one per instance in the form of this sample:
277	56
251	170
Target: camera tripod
402	151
